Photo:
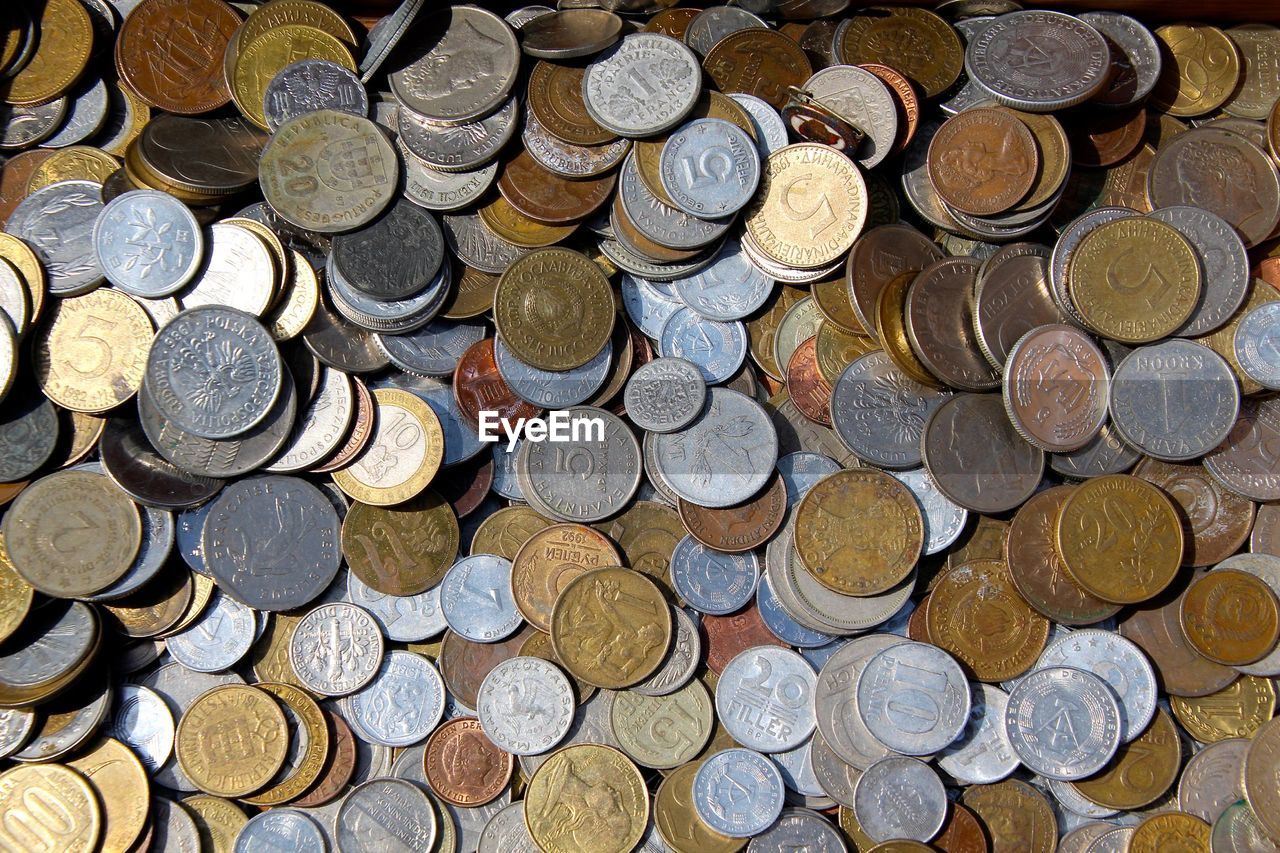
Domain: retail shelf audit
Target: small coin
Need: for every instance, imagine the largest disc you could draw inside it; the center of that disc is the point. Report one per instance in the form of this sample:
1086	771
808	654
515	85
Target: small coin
1254	349
710	581
642	86
665	395
476	599
312	84
1065	412
336	649
452	751
543	303
525	705
900	798
1238	634
402	455
710	168
757	795
1200	69
384	811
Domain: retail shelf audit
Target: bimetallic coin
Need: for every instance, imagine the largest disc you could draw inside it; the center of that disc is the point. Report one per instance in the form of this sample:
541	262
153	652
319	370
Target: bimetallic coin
643	86
665	395
764	698
402	456
402	704
336	649
710	581
525	705
738	793
900	797
1059	698
914	698
476	599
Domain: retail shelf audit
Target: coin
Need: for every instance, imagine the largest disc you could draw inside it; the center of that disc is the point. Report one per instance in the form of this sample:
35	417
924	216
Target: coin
336	649
181	75
1014	813
1240	635
591	639
232	740
731	420
1068	411
570	292
939	323
565	783
916	42
55	222
1201	68
28	792
400	812
882	810
1236	711
402	455
983	161
642	86
976	614
962	469
91	353
931	681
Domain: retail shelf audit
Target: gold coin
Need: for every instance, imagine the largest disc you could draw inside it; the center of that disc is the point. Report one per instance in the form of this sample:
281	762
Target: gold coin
858	839
1055	157
138	114
29	267
1016	814
662	732
1170	831
269	656
155	608
976	613
402	456
1200	69
312	14
299	303
677	821
472	297
549	561
48	807
74	163
837	349
891	328
506	531
401	550
120	781
918	43
201	593
15	595
1237	710
832	299
611	627
1261	770
514	227
62	51
1134	280
554	309
232	740
266	54
1119	538
313	758
564	808
859	532
1141	771
91	355
763	328
1222	340
1230	617
72	534
810	207
78	433
647	532
219	822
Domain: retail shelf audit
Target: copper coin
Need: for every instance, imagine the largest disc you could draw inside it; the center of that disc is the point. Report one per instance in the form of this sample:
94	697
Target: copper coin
809	390
671	22
758	62
918	622
555	99
1268	268
463	766
548	198
170	53
9	491
983	161
467	486
726	636
1231	617
1055	387
1037	568
962	833
939	323
478	386
1215	522
361	430
904	97
1154	625
1105	137
738	528
879	256
464	664
338	768
15	174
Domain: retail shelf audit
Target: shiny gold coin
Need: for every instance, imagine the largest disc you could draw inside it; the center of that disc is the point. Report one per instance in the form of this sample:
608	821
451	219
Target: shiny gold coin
1222	340
1119	538
1231	617
563	808
219	822
811	205
62	52
837	349
74	163
298	304
538	645
266	54
663	732
549	561
24	260
1237	710
49	807
611	627
832	299
1261	770
232	740
1134	280
72	534
1170	831
1141	771
120	781
1200	69
91	355
514	227
401	550
471	296
154	609
15	595
859	532
677	821
891	328
976	613
201	592
402	456
313	758
506	531
308	12
554	309
647	532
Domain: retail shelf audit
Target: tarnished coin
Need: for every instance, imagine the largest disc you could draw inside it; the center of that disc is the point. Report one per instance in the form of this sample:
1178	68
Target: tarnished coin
916	42
983	161
567	784
1056	381
665	395
611	627
940	328
554	309
976	457
976	614
395	257
738	792
913	697
643	86
1072	61
232	740
1037	568
153	64
1230	616
1063	698
336	649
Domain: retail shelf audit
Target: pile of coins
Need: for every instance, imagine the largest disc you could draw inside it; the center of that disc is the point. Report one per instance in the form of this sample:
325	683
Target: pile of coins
766	426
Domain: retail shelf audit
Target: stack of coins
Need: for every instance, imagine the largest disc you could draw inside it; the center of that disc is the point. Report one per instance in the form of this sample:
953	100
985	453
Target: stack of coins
763	427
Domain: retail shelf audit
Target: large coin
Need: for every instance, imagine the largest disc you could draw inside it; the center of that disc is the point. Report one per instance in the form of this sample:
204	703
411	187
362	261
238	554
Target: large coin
977	458
566	786
1059	698
1038	61
232	740
554	309
611	627
91	353
643	86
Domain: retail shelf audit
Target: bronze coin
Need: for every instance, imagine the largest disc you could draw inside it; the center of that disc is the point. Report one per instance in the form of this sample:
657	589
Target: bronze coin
467	486
939	323
1141	771
1055	387
758	62
671	22
809	390
1105	137
1154	625
905	99
1215	522
15	175
983	161
918	622
170	53
1126	182
338	768
464	664
962	833
1015	815
548	198
1230	616
478	386
555	99
1245	462
1268	268
879	256
738	528
463	766
726	636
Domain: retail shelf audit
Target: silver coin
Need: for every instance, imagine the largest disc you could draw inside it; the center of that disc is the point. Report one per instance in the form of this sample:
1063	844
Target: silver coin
386	814
237	272
1112	841
1256	339
27	126
913	698
393	316
665	395
384	36
992	468
71	728
643	85
863	99
764	699
663	223
525	705
801	470
142	721
86	113
1267	568
433	349
57	223
944	520
158	536
1120	664
1038	61
443	191
592	723
710	581
477	246
17	725
505	481
458	148
173	828
471	822
321	431
983	754
553	389
796	768
646	305
879	412
725	456
1106	453
729	288
476	599
738	792
403	703
465	70
1211	781
1174	400
1223	260
710	168
681	662
836	778
1239	831
565	158
402	618
1064	723
629	261
1135	55
835	699
799	829
218	639
525	14
899	797
281	829
780	623
506	832
313	84
771	130
602	454
336	649
712	24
